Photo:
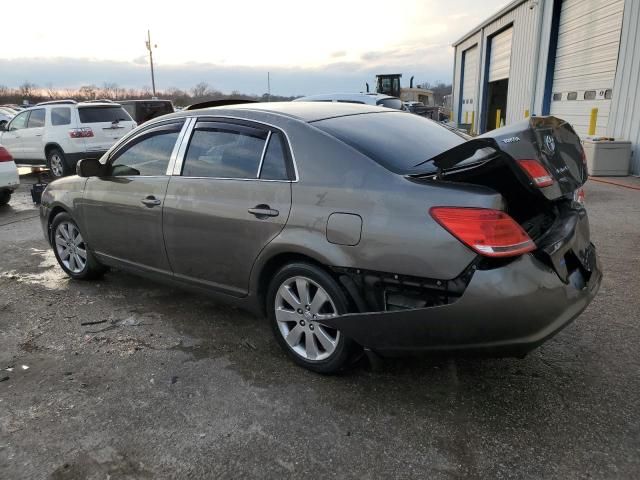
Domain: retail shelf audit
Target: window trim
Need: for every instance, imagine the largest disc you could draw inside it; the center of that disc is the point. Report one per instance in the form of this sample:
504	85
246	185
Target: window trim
191	126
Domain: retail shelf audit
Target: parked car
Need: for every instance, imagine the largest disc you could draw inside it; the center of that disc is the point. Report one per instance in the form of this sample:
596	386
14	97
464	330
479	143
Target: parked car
346	225
358	98
144	110
418	108
59	133
9	179
5	116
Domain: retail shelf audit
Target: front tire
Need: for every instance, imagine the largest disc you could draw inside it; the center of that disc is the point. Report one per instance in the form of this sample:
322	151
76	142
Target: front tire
57	163
71	250
299	297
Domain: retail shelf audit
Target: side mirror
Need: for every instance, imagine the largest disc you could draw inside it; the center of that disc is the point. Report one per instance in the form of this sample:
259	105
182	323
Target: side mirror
3	127
90	167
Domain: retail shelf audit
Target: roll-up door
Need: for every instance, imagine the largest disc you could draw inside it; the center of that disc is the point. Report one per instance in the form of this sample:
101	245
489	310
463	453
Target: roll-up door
500	55
586	61
469	83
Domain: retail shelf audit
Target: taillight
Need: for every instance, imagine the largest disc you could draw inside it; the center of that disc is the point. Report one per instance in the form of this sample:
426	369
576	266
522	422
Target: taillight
5	156
537	173
83	132
491	233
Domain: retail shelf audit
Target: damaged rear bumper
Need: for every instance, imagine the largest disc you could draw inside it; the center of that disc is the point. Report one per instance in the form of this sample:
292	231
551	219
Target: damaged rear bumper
508	310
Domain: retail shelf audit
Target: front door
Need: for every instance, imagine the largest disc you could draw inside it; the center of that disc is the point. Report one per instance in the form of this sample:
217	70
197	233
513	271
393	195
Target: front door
12	137
122	212
232	198
32	146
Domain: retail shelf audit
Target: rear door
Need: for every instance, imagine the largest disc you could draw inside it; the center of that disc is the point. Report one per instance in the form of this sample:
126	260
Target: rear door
12	138
32	136
108	123
122	212
232	197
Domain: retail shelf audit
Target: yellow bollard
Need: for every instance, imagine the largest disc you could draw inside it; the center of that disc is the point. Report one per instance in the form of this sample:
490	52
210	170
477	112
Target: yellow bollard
526	113
498	117
473	118
466	117
593	121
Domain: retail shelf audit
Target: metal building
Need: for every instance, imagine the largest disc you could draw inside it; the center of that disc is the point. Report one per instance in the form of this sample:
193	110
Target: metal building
553	57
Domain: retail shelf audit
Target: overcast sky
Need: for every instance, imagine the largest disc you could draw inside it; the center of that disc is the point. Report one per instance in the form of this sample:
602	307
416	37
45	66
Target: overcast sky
308	46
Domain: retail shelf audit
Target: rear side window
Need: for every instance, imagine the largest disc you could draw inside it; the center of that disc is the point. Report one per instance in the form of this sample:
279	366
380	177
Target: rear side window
394	103
148	156
224	152
36	119
60	116
274	165
103	114
395	140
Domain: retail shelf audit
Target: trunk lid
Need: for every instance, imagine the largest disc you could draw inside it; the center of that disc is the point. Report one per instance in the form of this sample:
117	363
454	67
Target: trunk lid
550	141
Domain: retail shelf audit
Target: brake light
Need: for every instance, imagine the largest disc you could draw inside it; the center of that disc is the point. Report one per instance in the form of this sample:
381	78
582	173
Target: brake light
537	173
83	132
491	233
5	156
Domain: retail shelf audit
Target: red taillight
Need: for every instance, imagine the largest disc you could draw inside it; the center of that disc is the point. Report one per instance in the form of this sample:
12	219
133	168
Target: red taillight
489	232
537	173
83	132
5	156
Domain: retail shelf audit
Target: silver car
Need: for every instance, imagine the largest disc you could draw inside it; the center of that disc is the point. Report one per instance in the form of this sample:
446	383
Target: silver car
348	226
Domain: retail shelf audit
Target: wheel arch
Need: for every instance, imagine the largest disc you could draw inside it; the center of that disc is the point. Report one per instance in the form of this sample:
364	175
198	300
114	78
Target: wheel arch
55	211
50	146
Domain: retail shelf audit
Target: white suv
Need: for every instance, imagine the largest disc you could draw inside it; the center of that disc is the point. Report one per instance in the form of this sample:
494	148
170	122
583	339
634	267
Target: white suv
61	132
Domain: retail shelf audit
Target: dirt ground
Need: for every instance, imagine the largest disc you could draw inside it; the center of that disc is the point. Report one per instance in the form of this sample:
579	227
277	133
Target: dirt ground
124	378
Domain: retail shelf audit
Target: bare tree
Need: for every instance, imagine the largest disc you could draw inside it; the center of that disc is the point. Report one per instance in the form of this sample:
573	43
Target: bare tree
88	92
27	89
109	90
200	90
52	93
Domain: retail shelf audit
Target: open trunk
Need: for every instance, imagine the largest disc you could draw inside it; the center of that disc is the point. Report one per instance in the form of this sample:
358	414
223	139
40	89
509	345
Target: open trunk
547	211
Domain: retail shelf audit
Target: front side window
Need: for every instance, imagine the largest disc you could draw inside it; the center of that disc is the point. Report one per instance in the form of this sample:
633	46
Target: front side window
224	152
274	165
19	122
60	116
148	156
36	119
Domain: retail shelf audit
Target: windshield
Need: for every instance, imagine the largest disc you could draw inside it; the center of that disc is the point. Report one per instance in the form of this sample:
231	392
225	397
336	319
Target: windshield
396	140
103	114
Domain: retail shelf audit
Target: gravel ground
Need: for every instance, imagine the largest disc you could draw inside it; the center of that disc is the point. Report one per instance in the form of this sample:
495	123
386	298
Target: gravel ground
172	385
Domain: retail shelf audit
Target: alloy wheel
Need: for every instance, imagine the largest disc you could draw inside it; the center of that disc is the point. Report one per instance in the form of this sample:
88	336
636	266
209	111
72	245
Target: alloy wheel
300	306
70	246
56	165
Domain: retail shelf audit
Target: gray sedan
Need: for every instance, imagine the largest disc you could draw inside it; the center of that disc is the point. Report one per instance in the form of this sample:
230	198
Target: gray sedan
348	226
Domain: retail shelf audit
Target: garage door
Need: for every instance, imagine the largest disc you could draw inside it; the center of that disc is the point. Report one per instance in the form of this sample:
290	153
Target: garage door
586	60
500	55
469	83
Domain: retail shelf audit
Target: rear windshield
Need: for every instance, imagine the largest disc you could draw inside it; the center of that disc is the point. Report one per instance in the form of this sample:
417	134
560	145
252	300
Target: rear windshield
149	110
396	140
103	114
394	103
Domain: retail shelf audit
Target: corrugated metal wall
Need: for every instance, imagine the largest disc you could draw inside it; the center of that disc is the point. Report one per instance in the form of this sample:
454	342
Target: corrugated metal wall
624	119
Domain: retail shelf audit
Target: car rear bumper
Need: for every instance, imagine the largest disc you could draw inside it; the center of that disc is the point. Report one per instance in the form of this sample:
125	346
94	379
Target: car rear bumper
9	179
508	310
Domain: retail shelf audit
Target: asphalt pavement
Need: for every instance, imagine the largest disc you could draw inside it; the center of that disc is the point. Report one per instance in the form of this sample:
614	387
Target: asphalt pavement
125	378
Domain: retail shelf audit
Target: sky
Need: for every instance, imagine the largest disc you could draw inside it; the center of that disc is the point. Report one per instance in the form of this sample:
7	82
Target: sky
307	46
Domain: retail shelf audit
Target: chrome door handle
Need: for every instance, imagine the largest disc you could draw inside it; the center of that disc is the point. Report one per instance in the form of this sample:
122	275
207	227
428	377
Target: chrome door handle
263	211
151	201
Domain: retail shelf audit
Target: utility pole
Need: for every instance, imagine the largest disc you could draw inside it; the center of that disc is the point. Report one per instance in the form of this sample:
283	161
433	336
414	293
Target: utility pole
150	48
268	86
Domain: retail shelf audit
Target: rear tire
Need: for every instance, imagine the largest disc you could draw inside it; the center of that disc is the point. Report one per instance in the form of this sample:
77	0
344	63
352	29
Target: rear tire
299	295
57	163
5	196
71	251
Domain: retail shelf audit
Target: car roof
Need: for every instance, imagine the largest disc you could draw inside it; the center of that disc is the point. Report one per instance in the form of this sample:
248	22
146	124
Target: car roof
148	100
305	111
